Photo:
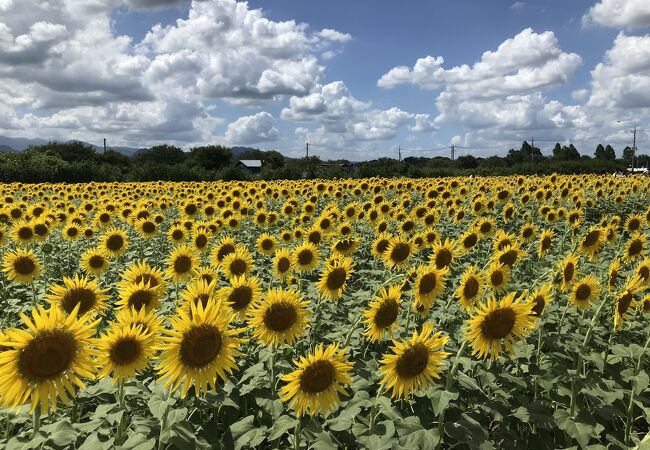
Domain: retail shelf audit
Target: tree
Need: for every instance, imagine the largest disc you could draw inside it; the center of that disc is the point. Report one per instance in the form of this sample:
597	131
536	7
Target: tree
628	152
162	154
67	151
273	159
600	152
210	157
610	154
565	153
467	162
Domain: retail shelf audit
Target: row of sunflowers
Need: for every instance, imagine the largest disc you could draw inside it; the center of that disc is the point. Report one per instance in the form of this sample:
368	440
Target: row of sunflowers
499	312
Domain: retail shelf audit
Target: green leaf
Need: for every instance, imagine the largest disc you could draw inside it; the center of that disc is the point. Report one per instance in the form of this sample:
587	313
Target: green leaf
440	400
280	426
246	433
466	429
578	430
535	412
414	435
93	442
139	442
640	382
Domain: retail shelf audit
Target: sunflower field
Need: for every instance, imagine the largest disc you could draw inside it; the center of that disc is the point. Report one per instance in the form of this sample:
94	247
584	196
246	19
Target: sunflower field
498	312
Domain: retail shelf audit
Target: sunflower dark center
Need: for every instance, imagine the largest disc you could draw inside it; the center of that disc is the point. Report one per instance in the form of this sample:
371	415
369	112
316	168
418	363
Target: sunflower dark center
115	242
317	377
305	257
177	235
336	279
400	252
528	232
125	351
280	316
569	269
72	231
635	248
48	355
201	241
624	303
190	209
583	292
96	261
539	305
40	229
140	299
267	244
85	297
199	346
470	240
509	258
498	323
224	251
182	264
633	224
25	233
413	361
443	258
428	283
386	313
591	238
486	227
240	297
148	227
284	264
314	237
24	265
546	243
146	278
470	289
344	244
238	266
644	272
496	278
382	245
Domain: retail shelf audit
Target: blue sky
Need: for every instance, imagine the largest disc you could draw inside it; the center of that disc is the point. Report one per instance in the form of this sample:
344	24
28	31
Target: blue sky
271	78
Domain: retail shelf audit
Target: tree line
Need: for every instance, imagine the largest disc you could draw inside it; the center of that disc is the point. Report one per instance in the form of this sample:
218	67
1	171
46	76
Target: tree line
79	162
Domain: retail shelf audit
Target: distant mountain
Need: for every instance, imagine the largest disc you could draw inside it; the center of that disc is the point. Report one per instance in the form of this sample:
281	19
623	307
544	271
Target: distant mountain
8	144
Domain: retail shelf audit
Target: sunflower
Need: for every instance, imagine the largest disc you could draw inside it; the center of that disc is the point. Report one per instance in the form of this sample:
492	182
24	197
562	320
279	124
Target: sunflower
142	272
397	253
139	296
197	291
177	234
266	244
305	257
146	227
316	383
444	253
334	277
21	265
222	249
485	226
498	324
592	243
237	264
23	232
635	247
94	261
509	255
471	287
47	360
497	277
205	273
633	223
414	363
123	351
201	239
527	232
380	245
626	303
279	318
540	298
545	242
643	271
180	263
114	241
149	322
612	274
242	293
344	247
502	240
569	270
198	350
584	292
78	291
468	240
282	264
381	317
429	285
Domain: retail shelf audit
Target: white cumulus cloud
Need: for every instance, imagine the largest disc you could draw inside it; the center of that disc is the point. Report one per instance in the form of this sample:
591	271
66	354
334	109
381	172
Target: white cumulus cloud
619	14
252	129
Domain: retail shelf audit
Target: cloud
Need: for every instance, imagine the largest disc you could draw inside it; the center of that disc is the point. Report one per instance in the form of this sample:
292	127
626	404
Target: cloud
518	6
252	129
333	35
619	14
622	80
152	4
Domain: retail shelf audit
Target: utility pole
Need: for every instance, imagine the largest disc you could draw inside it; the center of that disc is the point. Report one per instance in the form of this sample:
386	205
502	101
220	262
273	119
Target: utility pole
399	153
452	152
104	145
633	148
532	150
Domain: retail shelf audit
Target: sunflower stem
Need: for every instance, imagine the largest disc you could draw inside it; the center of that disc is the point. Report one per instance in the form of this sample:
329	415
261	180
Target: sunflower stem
373	410
163	421
630	407
585	342
36	419
450	383
352	328
272	371
34	294
408	320
296	434
120	393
